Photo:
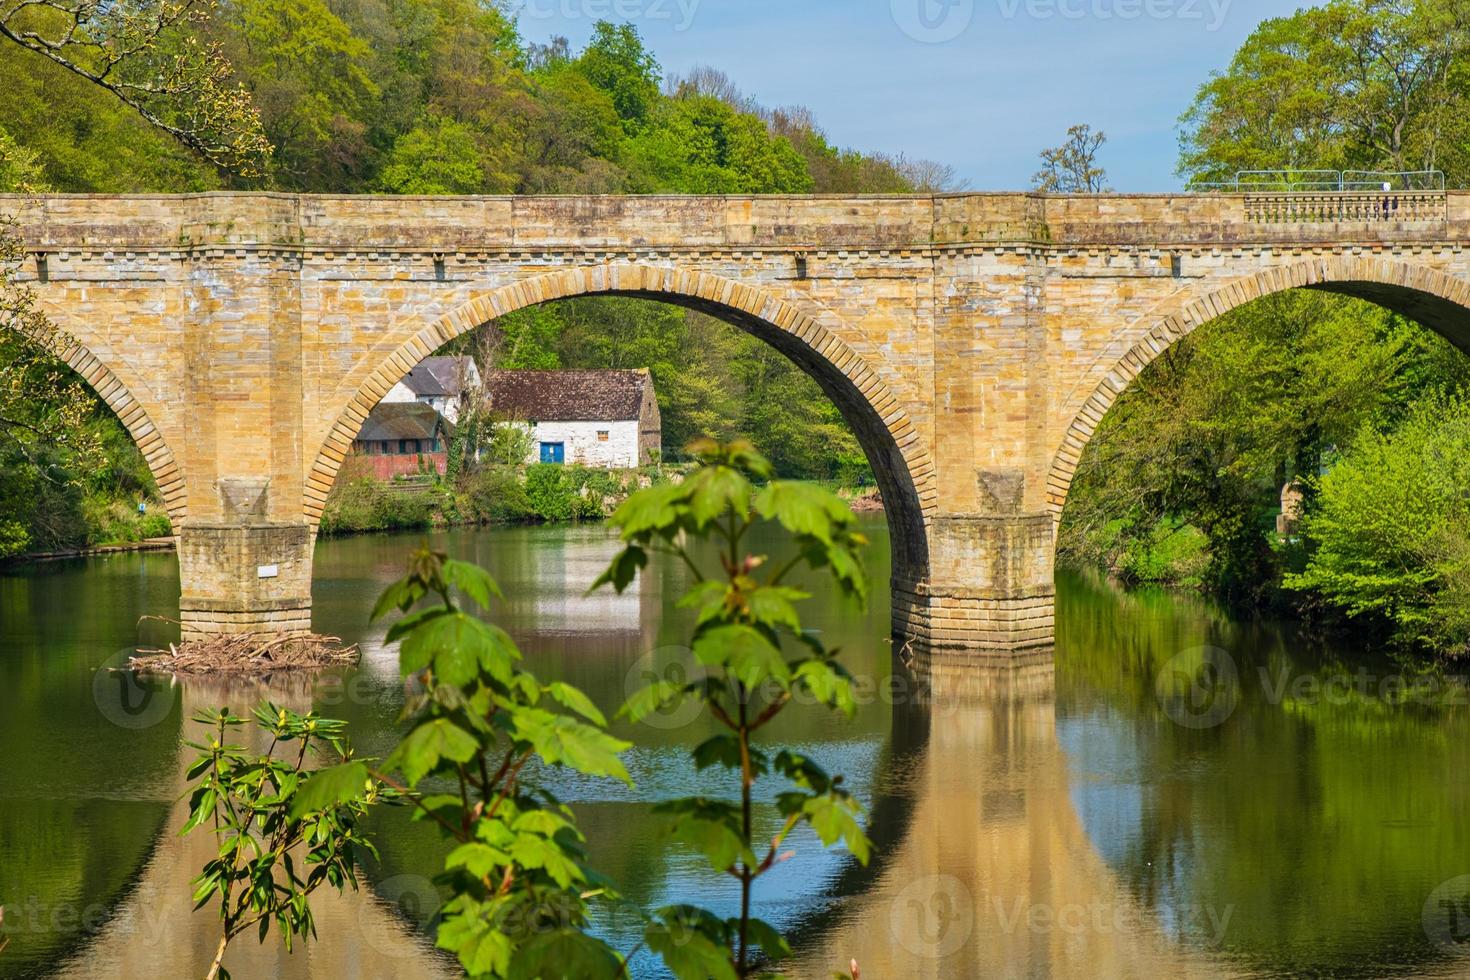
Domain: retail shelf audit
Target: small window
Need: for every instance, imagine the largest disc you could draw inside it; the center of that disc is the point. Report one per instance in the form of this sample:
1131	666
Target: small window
386	447
603	435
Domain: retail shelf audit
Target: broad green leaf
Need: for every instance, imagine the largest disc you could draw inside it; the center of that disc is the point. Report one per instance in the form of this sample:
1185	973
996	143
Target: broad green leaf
561	740
772	606
708	597
834	818
724	750
567	954
803	509
401	595
651	700
573	699
431	743
828	683
545	823
766	936
473	581
690	954
469	930
413	621
459	647
476	858
744	652
623	570
710	826
540	853
332	787
649	511
717	490
802	771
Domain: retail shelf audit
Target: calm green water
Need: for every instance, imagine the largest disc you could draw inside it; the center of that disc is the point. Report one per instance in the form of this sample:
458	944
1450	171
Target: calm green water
1175	791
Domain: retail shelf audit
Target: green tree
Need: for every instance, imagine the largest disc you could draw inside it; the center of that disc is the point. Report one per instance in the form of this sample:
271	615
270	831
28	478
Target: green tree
304	67
436	157
1352	84
1072	167
1391	529
149	56
701	145
1208	434
616	61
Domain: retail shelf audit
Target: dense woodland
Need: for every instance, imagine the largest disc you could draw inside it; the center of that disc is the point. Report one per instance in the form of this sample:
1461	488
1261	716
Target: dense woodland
444	97
1182	483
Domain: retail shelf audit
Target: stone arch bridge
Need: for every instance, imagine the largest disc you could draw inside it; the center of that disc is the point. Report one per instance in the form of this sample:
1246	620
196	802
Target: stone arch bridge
973	341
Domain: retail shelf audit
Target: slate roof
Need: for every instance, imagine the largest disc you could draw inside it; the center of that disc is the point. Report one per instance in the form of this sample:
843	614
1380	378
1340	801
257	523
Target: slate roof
403	420
436	377
568	396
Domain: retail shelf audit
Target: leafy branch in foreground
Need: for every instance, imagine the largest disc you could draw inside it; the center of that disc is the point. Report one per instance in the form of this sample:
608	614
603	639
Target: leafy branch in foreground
483	731
266	841
149	54
749	639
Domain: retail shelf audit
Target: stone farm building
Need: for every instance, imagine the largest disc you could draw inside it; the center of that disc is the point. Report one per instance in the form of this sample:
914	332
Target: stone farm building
438	381
606	419
402	439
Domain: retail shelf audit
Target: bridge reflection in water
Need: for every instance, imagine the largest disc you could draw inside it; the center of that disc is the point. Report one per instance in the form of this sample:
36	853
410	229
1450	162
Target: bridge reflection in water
153	935
993	874
983	868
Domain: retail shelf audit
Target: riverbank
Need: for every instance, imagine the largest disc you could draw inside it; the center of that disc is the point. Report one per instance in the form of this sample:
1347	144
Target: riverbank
500	496
149	544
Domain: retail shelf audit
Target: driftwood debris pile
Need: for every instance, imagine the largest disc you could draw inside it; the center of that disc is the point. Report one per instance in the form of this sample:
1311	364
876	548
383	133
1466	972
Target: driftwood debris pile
247	653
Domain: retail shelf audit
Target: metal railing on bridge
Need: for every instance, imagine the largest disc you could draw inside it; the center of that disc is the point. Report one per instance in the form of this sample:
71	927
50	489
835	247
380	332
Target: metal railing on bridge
1336	196
1324	181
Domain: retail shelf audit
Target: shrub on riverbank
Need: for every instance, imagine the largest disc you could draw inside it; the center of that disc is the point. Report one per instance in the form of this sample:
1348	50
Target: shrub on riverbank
365	504
1389	535
497	494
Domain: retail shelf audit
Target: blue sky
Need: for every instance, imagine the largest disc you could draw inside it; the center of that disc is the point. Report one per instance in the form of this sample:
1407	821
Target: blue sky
982	85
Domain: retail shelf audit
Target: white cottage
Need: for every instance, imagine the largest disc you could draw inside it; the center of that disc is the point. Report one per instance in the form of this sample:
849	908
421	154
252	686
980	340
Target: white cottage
606	419
439	382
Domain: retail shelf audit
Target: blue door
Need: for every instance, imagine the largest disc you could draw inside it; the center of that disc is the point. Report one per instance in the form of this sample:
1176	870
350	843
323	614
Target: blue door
553	452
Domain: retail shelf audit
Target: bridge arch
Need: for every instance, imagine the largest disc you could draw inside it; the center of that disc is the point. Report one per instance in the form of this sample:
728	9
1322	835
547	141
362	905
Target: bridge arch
121	397
1421	293
806	333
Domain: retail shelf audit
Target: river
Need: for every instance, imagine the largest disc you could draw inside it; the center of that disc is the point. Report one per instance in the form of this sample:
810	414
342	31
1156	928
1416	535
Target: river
1085	813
